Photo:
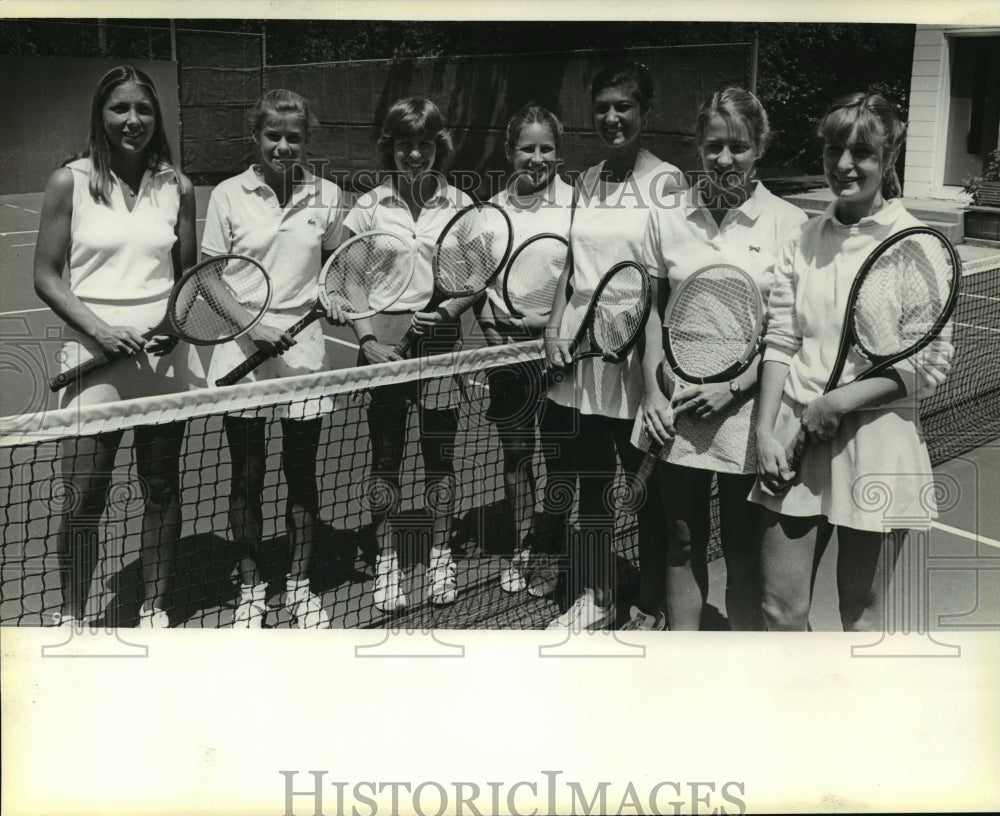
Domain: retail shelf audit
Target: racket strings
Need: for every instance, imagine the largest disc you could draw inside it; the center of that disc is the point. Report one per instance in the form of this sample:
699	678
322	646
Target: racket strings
221	299
471	252
714	322
534	275
368	274
903	295
620	309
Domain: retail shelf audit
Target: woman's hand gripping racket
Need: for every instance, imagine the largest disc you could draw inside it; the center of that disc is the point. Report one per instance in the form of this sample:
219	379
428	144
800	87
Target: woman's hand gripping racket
532	276
900	301
713	328
366	275
470	252
615	318
215	301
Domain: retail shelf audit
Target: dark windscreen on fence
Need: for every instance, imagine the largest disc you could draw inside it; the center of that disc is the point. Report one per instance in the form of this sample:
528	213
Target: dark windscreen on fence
477	96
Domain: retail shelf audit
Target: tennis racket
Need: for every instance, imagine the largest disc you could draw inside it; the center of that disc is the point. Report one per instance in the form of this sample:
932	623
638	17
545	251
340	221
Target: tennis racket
615	318
365	275
529	285
470	252
900	301
712	332
214	302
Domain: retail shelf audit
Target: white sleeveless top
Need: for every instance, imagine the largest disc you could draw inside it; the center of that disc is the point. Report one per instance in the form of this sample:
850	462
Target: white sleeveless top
609	226
118	256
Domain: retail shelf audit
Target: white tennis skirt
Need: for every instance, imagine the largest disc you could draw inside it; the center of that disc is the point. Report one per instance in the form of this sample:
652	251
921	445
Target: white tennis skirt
307	356
141	375
875	474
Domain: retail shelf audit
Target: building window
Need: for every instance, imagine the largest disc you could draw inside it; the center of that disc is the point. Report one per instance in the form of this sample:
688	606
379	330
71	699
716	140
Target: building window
974	112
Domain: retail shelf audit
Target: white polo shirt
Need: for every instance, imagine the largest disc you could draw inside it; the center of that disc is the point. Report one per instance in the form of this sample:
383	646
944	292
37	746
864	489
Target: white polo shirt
547	210
681	240
383	209
244	217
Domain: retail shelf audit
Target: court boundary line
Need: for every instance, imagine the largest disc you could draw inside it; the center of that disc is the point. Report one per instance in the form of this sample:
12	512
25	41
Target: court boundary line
956	531
341	342
25	311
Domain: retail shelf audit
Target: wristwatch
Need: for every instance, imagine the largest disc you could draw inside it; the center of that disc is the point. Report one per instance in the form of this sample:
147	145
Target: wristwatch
734	388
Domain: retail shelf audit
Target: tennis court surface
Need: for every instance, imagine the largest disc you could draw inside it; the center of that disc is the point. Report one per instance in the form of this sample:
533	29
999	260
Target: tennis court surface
956	563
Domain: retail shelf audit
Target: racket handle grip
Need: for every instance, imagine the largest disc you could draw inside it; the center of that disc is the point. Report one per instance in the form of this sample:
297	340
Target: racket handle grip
796	450
405	343
60	381
648	465
402	348
257	359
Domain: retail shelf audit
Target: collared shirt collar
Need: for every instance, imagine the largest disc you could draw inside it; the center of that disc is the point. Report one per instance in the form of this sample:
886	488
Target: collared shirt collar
252	179
884	217
749	210
386	193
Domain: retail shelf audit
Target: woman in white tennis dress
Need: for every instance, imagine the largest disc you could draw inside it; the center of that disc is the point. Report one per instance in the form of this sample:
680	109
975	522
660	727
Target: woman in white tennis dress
588	416
123	218
728	218
865	437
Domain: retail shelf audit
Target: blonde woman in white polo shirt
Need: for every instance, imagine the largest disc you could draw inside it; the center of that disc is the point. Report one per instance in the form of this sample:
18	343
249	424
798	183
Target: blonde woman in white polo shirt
123	218
415	202
538	201
290	220
727	217
869	428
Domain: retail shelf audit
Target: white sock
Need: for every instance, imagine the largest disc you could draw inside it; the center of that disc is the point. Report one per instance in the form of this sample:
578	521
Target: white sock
440	554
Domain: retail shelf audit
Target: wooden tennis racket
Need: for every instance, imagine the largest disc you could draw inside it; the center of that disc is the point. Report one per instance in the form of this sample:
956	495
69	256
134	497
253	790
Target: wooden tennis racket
470	252
215	301
615	318
713	328
532	276
900	301
366	275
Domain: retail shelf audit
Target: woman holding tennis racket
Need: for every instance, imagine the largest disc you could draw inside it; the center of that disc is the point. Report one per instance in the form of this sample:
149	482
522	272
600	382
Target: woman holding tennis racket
123	218
589	414
280	214
416	202
728	232
863	429
516	308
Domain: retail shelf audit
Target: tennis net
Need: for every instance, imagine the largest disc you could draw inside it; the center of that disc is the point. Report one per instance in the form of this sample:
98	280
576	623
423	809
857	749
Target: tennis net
204	582
963	414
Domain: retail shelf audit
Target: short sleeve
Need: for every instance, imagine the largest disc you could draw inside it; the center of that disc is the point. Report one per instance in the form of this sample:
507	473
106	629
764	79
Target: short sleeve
651	254
333	236
361	217
217	238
